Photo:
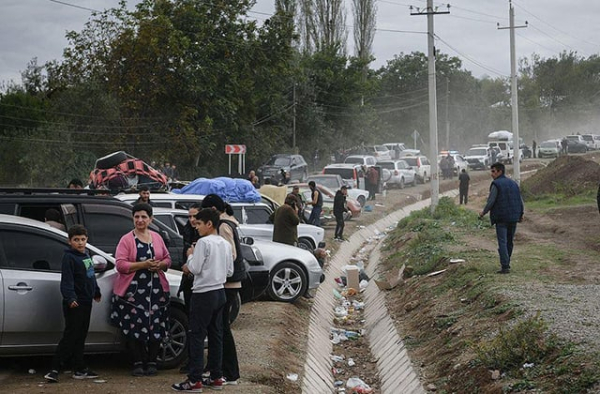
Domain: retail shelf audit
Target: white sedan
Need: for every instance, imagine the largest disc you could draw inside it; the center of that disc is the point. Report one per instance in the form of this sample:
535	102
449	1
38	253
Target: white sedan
398	173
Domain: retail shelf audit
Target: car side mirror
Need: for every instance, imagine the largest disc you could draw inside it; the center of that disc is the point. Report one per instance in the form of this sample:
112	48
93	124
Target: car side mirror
99	262
248	240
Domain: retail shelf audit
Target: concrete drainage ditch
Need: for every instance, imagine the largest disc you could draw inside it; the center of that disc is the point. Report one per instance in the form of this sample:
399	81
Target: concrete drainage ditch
394	367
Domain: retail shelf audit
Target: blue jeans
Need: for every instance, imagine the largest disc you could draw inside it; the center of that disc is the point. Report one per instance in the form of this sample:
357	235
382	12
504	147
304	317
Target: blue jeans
206	318
505	232
315	216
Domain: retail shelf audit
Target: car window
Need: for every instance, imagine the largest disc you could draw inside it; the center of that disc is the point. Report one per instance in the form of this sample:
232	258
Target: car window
42	252
162	204
8	208
106	224
345	173
387	165
424	161
279	161
169	221
354	160
411	161
402	164
257	215
548	145
329	182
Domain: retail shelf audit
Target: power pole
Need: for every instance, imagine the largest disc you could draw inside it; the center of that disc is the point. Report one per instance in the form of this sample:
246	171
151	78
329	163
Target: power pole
514	98
447	119
433	130
294	120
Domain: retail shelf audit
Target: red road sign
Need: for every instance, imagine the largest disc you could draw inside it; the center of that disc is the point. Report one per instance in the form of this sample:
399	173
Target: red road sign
235	149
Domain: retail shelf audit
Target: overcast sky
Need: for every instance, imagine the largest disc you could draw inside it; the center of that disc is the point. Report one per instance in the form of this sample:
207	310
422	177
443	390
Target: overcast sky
36	28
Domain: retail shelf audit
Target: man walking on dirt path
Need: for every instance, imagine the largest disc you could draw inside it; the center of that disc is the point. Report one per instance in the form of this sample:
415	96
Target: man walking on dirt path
463	187
506	209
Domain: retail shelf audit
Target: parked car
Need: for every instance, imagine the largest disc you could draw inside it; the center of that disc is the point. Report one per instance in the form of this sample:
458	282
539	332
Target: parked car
421	166
264	261
31	321
575	146
380	152
591	142
395	149
363	160
294	166
352	174
459	162
410	152
479	157
106	218
398	174
550	148
335	181
253	217
328	195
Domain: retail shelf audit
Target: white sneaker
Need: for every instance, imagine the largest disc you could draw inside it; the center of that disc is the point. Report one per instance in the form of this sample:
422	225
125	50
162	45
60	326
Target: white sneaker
229	382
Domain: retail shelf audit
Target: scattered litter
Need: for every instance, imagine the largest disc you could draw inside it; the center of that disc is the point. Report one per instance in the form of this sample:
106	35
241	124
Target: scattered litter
337	371
337	294
435	273
32	371
526	365
351	362
337	359
336	339
379	205
340	311
360	227
392	279
292	376
456	261
358	305
99	381
358	386
338	383
363	285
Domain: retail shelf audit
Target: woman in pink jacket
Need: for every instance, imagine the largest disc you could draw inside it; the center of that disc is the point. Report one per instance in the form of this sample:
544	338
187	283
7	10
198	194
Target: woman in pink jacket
141	291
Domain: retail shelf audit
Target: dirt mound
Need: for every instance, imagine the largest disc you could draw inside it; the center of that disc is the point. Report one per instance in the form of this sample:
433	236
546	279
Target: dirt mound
567	175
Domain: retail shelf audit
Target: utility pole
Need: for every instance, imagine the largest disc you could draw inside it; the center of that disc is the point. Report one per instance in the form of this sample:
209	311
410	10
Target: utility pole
514	98
294	120
433	130
447	119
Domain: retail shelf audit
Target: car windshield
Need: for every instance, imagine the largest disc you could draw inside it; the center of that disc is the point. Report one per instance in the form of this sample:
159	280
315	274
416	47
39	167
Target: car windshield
548	145
411	161
388	165
573	138
588	137
354	160
279	161
477	152
381	148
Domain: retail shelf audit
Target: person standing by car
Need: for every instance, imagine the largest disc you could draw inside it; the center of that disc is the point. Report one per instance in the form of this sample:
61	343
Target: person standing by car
211	264
144	192
450	166
534	148
506	209
78	288
299	202
372	182
229	369
285	222
141	291
444	167
317	204
339	208
463	187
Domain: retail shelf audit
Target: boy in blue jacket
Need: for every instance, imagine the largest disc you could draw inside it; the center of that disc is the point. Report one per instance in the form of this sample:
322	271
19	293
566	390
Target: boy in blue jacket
78	288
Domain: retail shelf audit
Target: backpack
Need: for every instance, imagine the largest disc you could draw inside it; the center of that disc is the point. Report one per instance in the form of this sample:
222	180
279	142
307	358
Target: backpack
239	267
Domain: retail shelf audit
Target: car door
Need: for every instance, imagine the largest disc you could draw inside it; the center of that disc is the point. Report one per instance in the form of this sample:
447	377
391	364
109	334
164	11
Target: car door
30	269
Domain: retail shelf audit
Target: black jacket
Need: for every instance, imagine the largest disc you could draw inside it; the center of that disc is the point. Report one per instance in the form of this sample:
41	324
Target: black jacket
78	280
339	203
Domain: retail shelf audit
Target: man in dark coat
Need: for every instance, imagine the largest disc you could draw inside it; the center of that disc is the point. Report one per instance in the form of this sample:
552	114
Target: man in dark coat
463	186
339	208
285	222
506	209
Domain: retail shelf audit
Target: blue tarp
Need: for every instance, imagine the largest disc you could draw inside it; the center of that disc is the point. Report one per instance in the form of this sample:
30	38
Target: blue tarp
229	189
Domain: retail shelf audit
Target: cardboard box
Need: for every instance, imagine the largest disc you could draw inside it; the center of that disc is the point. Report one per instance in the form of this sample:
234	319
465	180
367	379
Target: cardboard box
391	279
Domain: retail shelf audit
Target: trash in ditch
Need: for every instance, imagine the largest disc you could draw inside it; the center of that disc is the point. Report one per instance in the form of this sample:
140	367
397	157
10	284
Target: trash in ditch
358	386
292	376
338	383
337	359
99	381
340	311
337	371
335	339
337	294
351	362
363	285
358	305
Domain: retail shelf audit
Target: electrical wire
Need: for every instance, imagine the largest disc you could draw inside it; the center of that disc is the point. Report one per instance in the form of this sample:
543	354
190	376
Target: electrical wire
472	60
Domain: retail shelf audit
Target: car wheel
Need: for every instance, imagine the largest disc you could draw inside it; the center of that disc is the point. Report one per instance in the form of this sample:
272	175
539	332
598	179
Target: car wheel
424	177
306	244
401	184
288	282
235	308
174	346
362	200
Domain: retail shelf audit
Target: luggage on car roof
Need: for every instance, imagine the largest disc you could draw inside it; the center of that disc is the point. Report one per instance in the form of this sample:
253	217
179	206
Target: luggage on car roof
118	171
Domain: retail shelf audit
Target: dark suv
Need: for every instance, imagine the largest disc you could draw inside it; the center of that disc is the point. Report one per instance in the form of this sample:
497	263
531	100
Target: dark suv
105	218
295	168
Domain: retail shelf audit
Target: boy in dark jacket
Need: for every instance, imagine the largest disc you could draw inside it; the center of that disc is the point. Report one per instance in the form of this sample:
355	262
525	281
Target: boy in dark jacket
78	287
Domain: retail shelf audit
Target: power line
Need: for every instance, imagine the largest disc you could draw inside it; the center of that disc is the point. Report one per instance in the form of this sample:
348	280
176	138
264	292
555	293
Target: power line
74	6
472	60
